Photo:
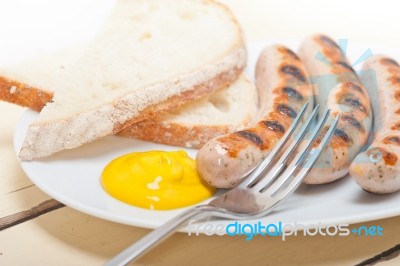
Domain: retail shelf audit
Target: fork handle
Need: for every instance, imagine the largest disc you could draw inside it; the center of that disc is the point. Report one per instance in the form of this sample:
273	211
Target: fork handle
158	235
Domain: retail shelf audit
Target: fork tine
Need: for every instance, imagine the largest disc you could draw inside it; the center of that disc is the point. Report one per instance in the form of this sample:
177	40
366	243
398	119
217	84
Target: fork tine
264	180
299	157
310	162
278	147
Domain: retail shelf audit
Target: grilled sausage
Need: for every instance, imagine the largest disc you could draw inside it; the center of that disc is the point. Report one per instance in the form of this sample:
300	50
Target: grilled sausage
338	88
378	168
284	88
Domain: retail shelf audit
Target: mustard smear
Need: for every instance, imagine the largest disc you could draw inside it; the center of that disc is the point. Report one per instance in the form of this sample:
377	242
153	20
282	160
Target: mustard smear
156	180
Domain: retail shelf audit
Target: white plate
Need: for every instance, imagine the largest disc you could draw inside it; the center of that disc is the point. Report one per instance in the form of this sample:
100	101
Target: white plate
73	178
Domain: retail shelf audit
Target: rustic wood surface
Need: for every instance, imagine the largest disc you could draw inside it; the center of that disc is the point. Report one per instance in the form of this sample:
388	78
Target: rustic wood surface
38	230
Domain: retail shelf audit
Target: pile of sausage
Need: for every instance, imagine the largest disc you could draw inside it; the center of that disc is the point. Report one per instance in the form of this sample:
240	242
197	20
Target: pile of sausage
319	74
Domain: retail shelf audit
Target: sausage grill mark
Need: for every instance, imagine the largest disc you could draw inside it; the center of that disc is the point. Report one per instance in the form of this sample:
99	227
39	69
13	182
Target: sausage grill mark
345	65
274	126
389	61
389	157
392	140
329	41
293	93
320	136
397	95
341	134
396	126
396	80
293	71
354	86
286	110
289	52
292	54
251	136
349	119
349	99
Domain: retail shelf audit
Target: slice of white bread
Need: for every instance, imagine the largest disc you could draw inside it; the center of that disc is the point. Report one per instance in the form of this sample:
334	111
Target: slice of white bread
192	125
150	56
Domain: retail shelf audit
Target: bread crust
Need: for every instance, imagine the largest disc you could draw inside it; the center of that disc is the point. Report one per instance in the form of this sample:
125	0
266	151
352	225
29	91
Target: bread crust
174	134
22	94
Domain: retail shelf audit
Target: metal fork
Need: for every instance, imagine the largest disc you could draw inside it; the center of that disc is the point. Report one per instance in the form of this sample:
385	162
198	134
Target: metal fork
270	182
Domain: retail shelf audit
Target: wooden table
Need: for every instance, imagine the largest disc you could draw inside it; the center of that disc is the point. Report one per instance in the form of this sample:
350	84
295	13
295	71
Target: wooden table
37	230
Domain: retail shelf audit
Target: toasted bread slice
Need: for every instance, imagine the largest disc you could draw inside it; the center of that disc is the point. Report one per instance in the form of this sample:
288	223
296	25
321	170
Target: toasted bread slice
150	56
192	125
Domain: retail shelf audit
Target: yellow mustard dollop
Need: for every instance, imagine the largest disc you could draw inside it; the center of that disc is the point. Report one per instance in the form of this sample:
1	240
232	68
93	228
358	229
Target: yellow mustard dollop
156	180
